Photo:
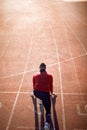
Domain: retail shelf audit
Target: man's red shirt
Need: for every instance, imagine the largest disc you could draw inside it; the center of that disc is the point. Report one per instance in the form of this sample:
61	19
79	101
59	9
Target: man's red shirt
43	82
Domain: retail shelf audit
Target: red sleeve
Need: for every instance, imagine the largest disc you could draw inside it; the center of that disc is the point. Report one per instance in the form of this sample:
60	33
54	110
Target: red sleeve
51	83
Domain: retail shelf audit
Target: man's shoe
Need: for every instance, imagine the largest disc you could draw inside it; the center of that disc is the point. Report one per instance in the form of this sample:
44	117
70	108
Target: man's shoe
47	126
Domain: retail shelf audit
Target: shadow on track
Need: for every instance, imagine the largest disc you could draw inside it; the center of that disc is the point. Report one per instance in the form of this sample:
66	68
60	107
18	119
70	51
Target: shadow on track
55	118
35	113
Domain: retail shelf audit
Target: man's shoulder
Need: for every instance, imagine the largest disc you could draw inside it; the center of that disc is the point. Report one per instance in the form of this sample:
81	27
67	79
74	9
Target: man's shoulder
37	74
49	74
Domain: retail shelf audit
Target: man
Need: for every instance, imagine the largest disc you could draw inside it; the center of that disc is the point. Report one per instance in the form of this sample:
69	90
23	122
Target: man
42	88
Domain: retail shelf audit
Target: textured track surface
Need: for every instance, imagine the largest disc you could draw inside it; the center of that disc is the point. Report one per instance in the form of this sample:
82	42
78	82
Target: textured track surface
50	31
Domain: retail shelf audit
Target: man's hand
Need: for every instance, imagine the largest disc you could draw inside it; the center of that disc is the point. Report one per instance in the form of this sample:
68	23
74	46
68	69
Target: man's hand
53	94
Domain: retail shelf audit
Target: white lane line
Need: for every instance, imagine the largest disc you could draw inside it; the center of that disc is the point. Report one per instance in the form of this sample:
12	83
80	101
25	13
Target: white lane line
33	70
60	76
12	75
68	26
76	94
27	128
30	128
78	19
15	102
5	49
27	71
13	92
72	58
73	62
75	70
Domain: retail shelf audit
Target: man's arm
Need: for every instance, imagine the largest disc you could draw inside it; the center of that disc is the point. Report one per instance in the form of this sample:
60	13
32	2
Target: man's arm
51	84
33	82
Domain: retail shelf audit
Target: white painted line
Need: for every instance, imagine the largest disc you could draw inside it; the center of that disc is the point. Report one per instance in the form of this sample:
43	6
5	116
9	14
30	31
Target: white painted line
30	128
0	104
5	49
8	92
76	94
60	76
15	102
74	66
78	19
71	29
79	111
76	75
72	58
33	70
27	71
70	94
12	75
26	128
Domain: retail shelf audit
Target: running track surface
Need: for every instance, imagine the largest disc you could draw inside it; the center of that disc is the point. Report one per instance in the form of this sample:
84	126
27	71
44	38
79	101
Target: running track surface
50	31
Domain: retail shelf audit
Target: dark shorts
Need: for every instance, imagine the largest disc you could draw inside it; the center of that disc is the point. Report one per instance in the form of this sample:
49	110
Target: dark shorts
42	95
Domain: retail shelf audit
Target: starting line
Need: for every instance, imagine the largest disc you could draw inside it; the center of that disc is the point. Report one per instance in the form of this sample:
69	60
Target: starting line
29	128
26	127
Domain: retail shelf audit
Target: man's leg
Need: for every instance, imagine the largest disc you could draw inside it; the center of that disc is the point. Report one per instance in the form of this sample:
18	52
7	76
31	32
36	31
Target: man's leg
37	94
45	97
47	106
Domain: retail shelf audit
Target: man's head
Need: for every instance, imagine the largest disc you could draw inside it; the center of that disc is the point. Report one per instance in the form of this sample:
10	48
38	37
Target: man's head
42	67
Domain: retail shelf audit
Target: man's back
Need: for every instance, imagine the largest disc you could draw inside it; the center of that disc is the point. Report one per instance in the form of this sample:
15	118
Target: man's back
43	82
